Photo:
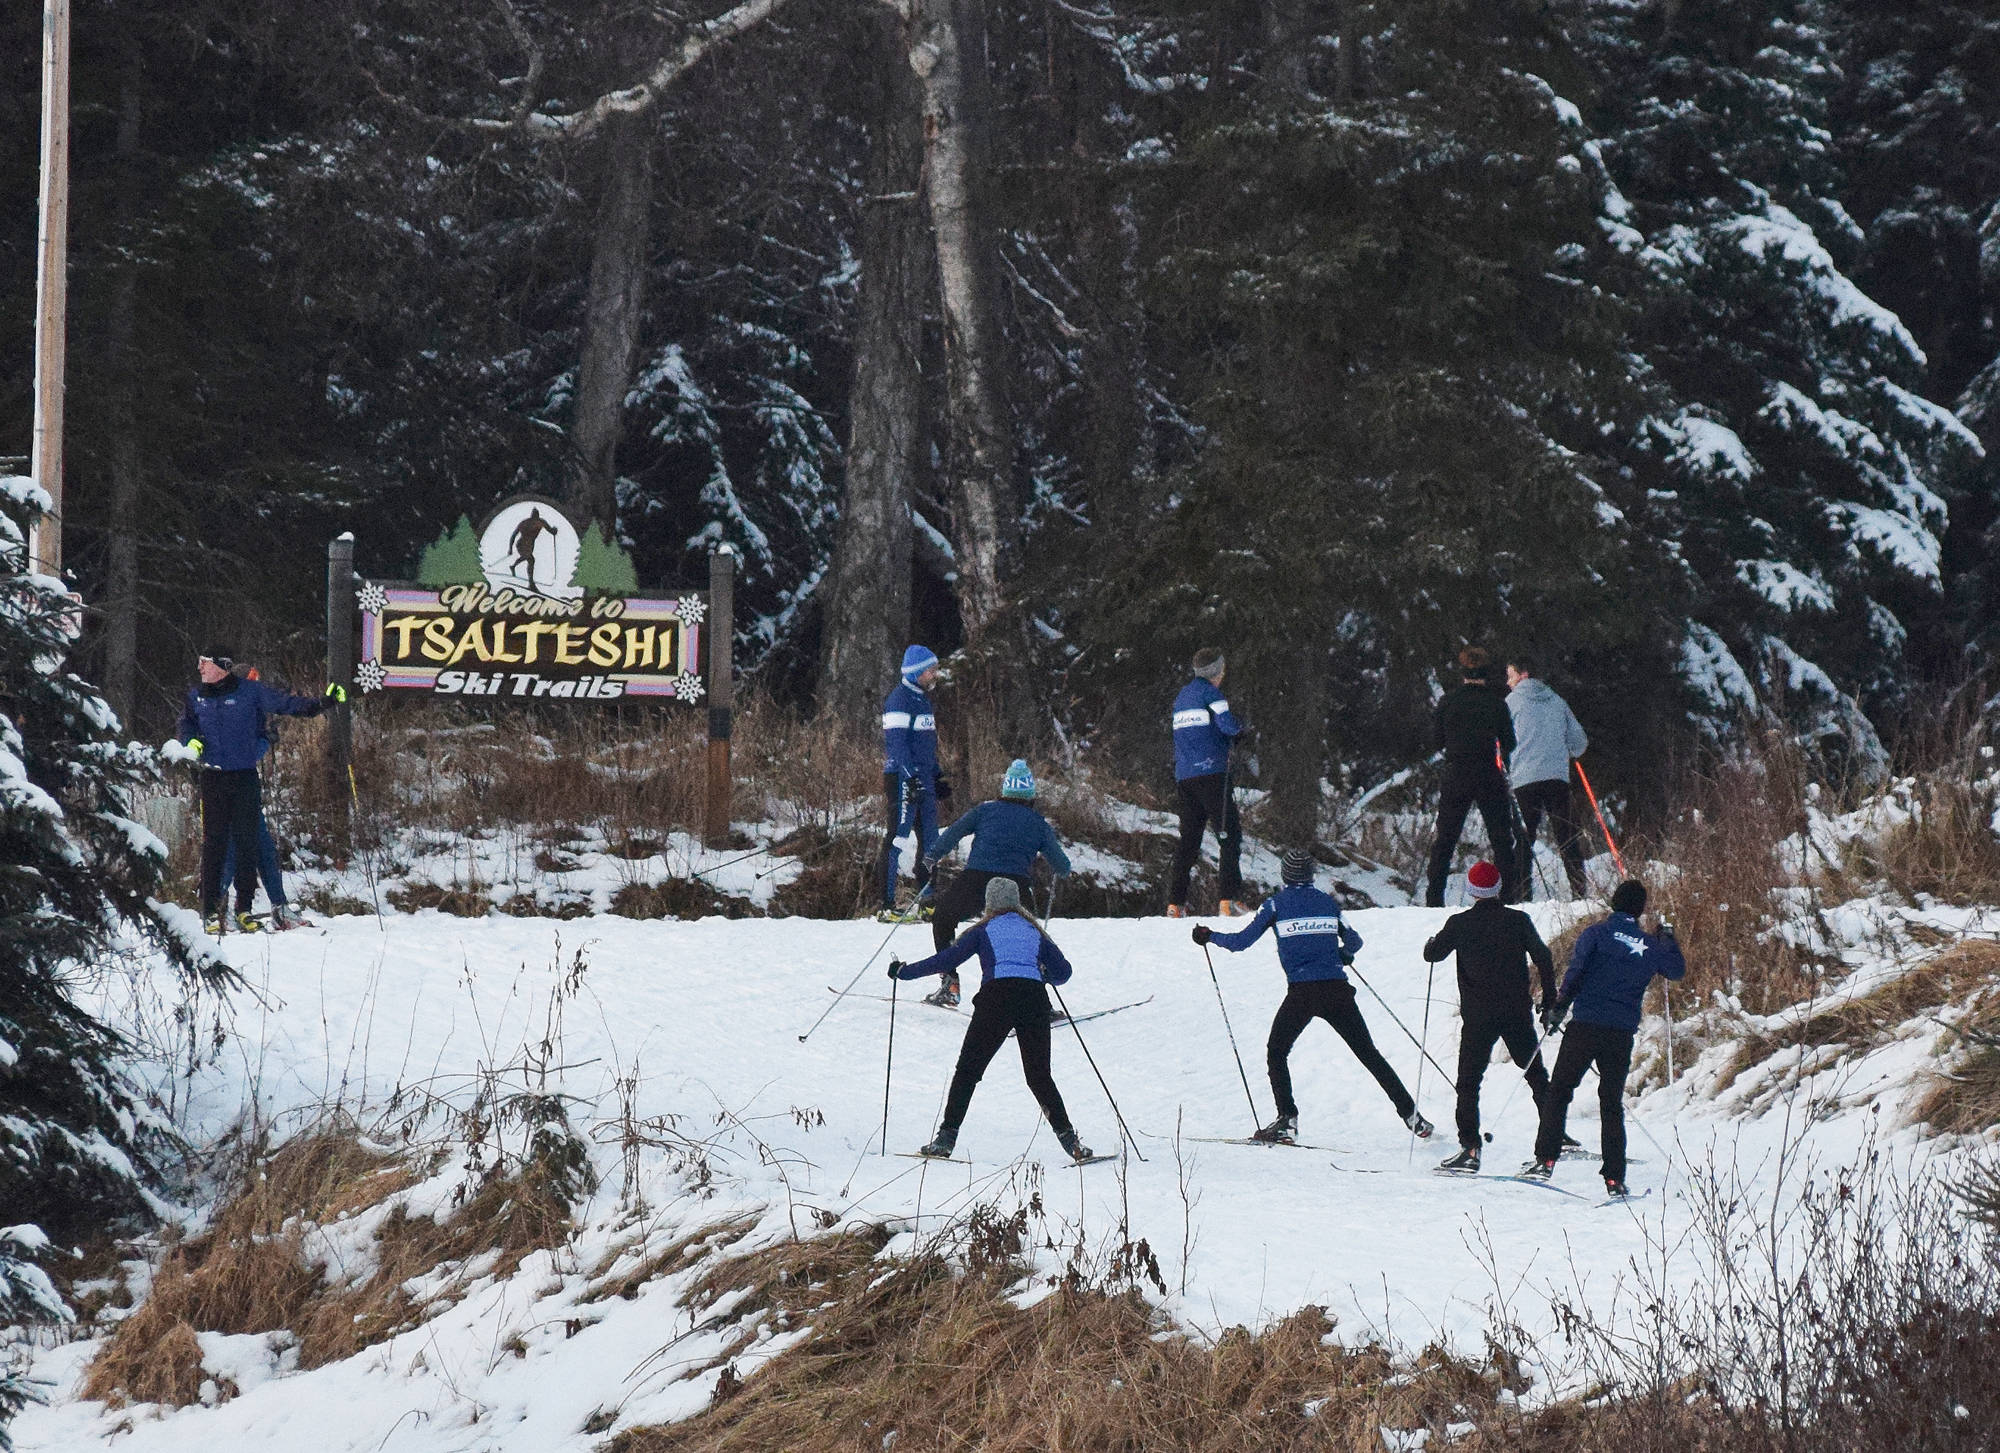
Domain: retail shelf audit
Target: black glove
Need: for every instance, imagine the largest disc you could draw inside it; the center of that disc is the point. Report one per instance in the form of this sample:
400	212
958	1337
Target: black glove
1202	934
895	968
941	788
1552	1015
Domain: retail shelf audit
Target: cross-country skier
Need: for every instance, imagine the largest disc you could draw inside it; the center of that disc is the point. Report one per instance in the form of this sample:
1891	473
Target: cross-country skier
1494	947
1016	962
910	777
1204	728
1477	734
526	535
1315	945
1547	738
1007	837
1613	965
222	722
283	915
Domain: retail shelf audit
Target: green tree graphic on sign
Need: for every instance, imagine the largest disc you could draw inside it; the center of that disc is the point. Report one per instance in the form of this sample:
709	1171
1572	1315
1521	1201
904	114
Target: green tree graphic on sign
602	567
453	558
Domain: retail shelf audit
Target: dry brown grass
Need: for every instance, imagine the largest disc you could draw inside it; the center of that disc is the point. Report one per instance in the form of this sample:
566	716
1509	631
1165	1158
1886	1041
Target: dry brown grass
248	1273
1965	1099
943	1360
677	898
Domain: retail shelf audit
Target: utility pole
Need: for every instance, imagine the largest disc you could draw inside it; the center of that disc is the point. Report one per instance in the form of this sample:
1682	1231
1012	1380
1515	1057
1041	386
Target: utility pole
52	285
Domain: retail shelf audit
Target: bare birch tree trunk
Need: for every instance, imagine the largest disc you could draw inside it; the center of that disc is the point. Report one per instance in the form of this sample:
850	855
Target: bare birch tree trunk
121	566
867	613
947	53
611	319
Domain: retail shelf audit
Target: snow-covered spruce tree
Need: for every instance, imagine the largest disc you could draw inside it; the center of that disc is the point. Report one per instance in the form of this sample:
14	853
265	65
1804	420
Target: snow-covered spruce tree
77	875
1807	473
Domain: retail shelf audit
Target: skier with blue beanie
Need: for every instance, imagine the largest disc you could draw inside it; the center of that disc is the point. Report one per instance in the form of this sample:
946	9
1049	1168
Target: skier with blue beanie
1016	961
1008	834
1315	945
1610	969
910	778
1204	729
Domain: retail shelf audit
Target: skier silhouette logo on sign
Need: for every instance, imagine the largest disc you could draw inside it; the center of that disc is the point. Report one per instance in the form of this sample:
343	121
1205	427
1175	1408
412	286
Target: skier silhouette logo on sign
522	545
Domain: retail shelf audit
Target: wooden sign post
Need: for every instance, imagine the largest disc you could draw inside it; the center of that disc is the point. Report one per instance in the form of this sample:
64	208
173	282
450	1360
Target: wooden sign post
721	691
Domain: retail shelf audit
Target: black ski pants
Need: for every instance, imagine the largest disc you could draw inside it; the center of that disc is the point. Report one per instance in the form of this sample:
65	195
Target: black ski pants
1333	1001
1556	800
912	808
1610	1050
966	898
1514	1027
1460	792
1207	802
232	805
1021	1005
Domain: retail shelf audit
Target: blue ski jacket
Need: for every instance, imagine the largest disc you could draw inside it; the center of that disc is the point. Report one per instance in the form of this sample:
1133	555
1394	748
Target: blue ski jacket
1006	837
1314	941
909	734
1614	962
1009	947
229	719
1203	730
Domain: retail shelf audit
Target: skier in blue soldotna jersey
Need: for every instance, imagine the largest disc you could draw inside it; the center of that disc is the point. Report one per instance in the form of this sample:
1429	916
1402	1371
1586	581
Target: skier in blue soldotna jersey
910	778
1315	945
1204	729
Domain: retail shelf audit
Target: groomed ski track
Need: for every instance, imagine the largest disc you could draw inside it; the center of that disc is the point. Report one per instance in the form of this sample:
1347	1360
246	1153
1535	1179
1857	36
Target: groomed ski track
710	1013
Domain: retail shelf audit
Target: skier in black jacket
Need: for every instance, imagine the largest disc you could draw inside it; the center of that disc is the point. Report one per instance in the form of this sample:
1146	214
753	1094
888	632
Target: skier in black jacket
1477	734
1494	946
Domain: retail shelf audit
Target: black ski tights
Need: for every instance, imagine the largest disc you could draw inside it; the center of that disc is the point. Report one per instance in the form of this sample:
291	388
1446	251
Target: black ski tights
232	804
1021	1005
1333	1001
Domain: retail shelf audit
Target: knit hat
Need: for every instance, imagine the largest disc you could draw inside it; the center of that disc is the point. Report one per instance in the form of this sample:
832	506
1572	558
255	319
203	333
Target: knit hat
917	660
1629	897
1483	881
1296	867
221	655
1003	895
1019	781
1208	662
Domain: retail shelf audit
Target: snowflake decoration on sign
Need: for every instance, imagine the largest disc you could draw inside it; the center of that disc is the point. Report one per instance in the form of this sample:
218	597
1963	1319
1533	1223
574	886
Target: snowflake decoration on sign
373	598
370	676
688	687
692	610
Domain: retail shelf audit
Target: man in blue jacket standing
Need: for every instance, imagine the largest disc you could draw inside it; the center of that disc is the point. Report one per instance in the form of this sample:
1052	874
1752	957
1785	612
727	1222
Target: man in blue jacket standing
1204	728
910	777
1609	972
1007	837
223	724
1315	945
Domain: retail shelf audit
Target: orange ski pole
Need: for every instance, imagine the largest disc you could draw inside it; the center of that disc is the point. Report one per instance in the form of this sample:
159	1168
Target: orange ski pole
1584	777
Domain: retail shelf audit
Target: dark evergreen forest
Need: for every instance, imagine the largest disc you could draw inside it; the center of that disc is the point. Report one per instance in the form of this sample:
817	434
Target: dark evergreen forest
1657	337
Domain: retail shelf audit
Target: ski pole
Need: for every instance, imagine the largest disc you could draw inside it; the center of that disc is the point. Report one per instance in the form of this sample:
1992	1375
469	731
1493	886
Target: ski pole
1667	1005
1584	777
1398	1023
1123	1129
889	1063
1231	1033
374	884
852	982
1430	978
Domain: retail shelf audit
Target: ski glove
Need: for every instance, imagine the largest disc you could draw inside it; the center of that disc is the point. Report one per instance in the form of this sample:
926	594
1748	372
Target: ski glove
336	694
1202	934
895	968
941	787
194	748
1552	1015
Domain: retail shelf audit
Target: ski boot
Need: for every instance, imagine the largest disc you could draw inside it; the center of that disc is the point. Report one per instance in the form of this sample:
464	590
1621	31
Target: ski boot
1616	1189
215	925
1176	910
1538	1170
1229	908
1465	1163
1572	1148
1072	1147
942	1144
1282	1131
1419	1127
248	923
946	994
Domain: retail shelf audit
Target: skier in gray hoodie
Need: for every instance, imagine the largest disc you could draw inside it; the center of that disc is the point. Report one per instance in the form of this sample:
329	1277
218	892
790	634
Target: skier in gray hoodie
1547	738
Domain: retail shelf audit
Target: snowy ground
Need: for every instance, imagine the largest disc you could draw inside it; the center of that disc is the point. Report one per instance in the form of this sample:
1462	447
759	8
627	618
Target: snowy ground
709	1013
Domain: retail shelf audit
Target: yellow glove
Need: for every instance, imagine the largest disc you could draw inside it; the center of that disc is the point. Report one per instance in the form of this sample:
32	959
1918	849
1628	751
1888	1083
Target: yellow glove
194	745
337	694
